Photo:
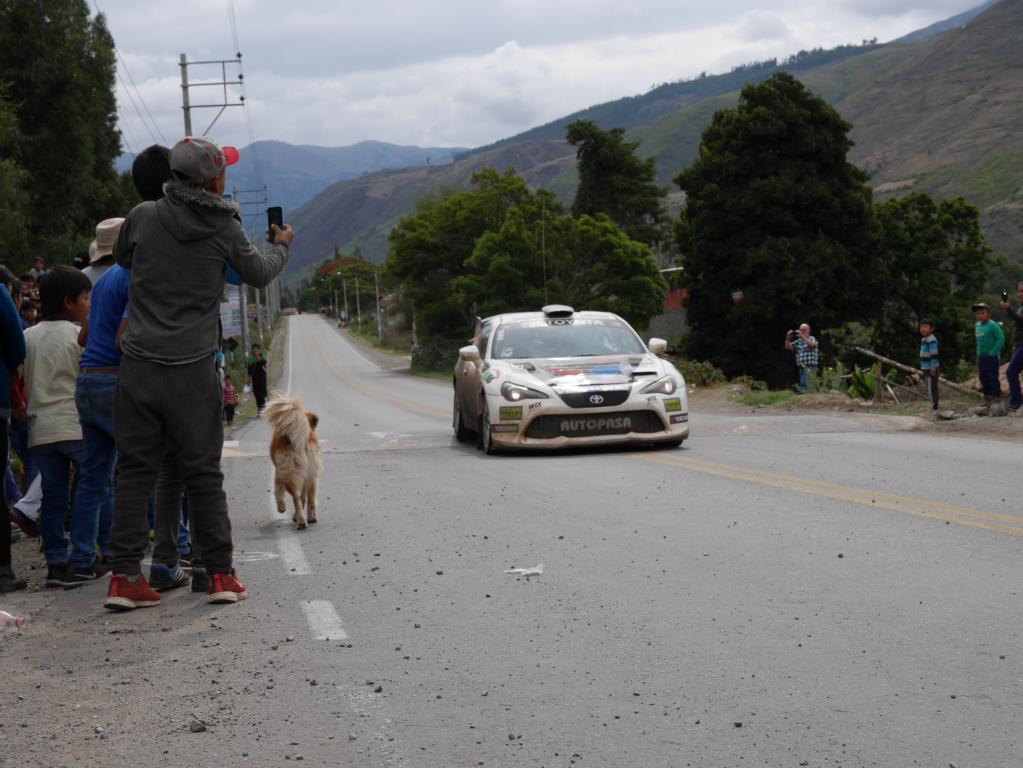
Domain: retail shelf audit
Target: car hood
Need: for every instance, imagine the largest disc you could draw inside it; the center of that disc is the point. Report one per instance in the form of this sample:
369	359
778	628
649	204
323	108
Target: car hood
562	373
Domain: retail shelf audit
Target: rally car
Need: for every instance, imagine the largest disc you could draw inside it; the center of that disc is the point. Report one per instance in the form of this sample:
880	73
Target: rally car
559	378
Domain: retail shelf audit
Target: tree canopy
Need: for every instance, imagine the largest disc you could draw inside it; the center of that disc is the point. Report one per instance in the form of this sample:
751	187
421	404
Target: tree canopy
503	247
935	264
774	210
57	66
614	181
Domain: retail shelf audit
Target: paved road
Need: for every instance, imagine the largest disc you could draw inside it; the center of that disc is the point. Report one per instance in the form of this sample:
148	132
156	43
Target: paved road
784	591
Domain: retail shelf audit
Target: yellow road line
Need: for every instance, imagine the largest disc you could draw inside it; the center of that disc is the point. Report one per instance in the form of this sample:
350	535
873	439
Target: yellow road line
370	392
975	518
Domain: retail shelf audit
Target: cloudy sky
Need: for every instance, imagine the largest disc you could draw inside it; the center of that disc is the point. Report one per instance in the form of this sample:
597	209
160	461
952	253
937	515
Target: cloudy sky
455	72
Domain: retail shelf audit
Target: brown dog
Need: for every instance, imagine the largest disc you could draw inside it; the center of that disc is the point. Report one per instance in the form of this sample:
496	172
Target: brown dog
295	453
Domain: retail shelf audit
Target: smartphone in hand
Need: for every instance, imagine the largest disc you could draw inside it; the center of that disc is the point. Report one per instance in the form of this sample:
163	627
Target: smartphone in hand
274	215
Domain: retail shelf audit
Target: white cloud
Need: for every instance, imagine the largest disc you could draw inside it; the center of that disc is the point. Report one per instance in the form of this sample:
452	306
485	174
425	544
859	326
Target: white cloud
462	73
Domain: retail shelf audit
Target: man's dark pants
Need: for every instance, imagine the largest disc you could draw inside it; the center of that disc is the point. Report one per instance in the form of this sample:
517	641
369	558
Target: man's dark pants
172	408
987	370
1012	374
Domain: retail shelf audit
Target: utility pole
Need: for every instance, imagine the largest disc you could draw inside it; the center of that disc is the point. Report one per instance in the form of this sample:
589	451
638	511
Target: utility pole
344	287
259	318
186	103
358	304
380	326
243	292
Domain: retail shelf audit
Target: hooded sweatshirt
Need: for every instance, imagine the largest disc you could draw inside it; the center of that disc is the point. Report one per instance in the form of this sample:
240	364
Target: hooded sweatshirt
179	249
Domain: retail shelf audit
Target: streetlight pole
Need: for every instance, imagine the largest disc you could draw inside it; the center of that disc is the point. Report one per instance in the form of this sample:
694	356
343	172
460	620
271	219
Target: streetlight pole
380	327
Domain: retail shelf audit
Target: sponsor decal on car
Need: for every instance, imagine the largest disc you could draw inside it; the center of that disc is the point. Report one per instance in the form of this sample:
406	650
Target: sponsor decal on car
535	404
679	418
673	404
504	428
596	424
488	377
511	413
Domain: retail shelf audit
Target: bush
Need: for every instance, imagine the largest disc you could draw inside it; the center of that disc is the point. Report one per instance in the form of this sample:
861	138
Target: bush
700	373
436	353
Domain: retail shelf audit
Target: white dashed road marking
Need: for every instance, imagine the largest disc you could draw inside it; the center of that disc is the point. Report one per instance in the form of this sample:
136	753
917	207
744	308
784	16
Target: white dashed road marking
323	620
292	554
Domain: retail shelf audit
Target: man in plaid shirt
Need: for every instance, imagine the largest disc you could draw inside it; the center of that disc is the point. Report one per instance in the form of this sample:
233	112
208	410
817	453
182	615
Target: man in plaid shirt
807	354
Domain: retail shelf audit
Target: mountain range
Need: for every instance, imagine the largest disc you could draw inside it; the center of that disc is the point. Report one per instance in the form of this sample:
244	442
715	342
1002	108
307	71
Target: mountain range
295	174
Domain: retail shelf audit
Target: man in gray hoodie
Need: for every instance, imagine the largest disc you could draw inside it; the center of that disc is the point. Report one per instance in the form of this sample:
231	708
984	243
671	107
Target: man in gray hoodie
168	395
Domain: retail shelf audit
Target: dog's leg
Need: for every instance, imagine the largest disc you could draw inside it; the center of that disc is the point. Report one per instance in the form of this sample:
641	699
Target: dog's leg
296	497
310	499
279	495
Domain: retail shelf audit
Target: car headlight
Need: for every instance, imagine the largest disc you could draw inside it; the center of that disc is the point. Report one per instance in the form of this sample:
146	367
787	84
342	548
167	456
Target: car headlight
666	385
516	392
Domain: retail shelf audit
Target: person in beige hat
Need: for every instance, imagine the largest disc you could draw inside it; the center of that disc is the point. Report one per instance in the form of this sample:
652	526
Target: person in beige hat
101	250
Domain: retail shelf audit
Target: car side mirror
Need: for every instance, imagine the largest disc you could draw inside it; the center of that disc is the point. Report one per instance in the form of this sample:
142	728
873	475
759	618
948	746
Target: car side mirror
470	354
657	346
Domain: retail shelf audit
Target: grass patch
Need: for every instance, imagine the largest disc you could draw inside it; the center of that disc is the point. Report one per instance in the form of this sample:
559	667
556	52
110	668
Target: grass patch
768	399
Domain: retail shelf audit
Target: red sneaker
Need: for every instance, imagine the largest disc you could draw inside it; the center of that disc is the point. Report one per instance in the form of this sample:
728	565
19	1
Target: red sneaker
225	588
125	595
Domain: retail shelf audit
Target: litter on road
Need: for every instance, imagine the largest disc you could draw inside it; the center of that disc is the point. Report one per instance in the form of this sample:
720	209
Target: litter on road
10	622
536	570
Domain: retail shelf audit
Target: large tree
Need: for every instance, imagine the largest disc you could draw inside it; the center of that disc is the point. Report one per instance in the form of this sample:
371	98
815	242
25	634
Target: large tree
936	264
614	181
774	211
58	64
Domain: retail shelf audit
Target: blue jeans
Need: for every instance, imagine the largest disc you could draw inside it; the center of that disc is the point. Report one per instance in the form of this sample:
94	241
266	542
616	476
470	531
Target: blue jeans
94	396
987	371
55	461
1012	374
804	379
11	492
19	443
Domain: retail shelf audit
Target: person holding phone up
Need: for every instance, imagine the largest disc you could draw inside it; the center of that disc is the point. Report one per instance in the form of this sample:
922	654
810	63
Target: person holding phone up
807	353
1016	361
168	394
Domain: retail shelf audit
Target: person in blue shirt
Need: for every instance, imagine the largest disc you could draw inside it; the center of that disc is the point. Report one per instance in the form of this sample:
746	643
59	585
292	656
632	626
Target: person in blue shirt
929	363
94	396
12	354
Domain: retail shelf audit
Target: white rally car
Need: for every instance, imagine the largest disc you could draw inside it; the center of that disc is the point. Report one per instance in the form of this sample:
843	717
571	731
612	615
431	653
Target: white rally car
559	378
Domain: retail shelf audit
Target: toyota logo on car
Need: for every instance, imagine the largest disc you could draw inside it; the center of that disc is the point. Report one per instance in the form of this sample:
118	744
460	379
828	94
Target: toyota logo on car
596	399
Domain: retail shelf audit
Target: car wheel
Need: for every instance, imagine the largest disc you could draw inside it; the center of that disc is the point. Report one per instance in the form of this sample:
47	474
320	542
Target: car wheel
462	433
483	441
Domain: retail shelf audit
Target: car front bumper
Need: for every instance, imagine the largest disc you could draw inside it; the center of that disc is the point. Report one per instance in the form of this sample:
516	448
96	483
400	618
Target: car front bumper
548	424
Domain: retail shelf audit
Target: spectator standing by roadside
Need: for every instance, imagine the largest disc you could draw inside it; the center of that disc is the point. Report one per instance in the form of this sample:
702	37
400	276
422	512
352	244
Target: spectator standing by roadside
256	367
12	353
94	392
101	250
168	396
929	362
1016	362
38	268
807	354
55	433
230	400
990	341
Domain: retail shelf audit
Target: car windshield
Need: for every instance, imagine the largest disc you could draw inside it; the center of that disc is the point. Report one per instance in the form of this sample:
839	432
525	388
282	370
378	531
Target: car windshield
575	337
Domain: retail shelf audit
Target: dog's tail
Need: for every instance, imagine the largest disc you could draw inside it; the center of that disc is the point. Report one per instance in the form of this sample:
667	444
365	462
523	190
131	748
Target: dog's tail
286	415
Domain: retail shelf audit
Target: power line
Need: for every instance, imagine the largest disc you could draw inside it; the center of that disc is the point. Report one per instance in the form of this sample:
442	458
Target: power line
251	131
127	72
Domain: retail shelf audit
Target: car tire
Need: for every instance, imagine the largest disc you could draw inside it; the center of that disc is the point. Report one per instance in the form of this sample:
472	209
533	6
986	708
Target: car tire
462	433
483	441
